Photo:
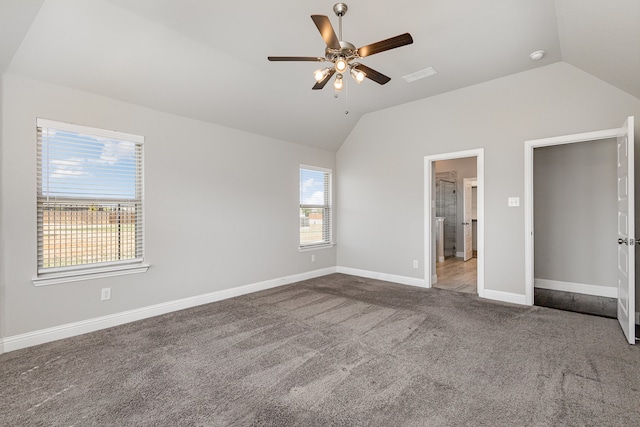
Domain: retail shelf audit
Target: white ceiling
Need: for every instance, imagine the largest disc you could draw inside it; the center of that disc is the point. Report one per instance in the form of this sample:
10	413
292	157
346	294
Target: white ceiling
207	59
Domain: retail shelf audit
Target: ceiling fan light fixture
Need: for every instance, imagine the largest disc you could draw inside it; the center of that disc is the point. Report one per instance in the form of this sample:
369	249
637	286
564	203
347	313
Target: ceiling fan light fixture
341	65
320	74
340	52
338	83
357	75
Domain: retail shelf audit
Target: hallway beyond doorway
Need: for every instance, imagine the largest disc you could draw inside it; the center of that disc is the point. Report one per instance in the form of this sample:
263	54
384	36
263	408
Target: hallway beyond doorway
455	274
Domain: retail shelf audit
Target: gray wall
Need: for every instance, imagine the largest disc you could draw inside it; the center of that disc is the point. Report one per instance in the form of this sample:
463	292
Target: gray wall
205	183
498	116
466	168
575	210
221	207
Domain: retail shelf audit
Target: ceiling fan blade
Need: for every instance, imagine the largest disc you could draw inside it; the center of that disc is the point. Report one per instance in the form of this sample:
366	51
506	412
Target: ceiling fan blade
324	81
295	58
326	31
381	46
372	74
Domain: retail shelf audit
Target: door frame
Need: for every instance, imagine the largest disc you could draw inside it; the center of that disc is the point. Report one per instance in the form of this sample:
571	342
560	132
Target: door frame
430	212
468	202
528	193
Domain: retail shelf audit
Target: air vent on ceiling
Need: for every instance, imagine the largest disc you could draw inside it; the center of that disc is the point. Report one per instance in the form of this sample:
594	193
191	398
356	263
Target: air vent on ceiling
420	74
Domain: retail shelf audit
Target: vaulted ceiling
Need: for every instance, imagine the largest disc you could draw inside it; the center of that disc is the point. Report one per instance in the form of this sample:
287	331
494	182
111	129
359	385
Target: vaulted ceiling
208	59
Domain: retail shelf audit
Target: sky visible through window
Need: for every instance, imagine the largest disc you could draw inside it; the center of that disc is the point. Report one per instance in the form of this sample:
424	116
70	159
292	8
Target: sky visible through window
311	187
84	166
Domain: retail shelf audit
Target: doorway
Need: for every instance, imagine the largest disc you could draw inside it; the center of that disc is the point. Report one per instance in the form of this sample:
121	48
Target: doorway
624	245
441	207
575	215
456	268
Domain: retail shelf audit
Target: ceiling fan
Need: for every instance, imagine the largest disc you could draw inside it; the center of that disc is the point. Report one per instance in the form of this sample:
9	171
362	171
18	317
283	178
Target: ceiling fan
344	55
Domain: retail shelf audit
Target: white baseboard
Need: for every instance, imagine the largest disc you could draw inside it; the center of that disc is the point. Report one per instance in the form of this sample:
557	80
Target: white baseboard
487	294
504	296
434	279
403	280
42	336
459	254
577	288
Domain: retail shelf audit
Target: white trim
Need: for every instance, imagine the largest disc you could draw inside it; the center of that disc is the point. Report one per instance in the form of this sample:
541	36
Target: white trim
74	270
429	211
315	168
329	205
504	297
577	288
529	280
403	280
315	247
42	336
434	279
72	127
578	137
459	254
90	273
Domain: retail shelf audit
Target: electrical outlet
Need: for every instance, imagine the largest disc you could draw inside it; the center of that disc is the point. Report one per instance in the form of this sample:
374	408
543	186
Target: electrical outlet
105	294
513	201
313	258
415	263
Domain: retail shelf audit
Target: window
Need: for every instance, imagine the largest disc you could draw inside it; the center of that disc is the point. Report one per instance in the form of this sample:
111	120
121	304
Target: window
89	202
315	207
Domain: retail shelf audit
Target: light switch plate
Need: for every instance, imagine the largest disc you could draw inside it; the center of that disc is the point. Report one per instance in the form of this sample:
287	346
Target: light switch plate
513	201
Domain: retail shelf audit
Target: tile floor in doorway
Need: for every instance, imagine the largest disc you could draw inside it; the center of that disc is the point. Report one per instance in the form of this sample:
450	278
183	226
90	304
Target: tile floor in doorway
457	275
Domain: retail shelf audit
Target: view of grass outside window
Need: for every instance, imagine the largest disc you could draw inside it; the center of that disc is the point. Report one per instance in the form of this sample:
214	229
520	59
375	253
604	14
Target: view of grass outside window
78	234
89	197
315	206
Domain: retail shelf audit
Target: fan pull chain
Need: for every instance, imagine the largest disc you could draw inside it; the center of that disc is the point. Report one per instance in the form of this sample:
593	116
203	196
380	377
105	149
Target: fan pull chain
346	97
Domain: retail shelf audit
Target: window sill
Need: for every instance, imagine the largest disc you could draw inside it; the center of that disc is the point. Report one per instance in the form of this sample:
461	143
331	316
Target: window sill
90	273
314	247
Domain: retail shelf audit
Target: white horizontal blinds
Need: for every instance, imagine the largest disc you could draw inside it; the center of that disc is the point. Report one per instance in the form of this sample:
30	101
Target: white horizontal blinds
315	206
90	197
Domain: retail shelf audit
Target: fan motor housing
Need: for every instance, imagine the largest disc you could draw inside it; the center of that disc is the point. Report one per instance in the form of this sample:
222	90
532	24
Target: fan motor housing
348	51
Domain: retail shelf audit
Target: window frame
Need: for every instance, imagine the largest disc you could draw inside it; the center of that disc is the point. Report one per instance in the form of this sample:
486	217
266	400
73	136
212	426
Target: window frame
328	206
72	273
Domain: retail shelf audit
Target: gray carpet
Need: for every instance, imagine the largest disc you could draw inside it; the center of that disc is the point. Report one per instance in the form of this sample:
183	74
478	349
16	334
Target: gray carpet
337	350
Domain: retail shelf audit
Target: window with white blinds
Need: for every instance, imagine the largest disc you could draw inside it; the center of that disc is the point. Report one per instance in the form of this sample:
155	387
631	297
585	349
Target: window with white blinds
90	197
315	207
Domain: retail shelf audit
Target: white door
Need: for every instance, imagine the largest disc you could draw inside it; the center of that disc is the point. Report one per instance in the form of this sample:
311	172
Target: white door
467	202
626	232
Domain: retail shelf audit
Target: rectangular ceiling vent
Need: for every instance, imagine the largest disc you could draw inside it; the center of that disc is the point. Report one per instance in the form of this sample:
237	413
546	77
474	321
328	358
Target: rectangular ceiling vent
420	74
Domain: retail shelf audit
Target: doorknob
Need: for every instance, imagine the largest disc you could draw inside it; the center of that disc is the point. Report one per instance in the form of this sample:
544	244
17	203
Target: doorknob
622	241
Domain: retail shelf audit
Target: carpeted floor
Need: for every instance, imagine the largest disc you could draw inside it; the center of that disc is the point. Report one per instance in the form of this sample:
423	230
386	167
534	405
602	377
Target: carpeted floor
337	350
